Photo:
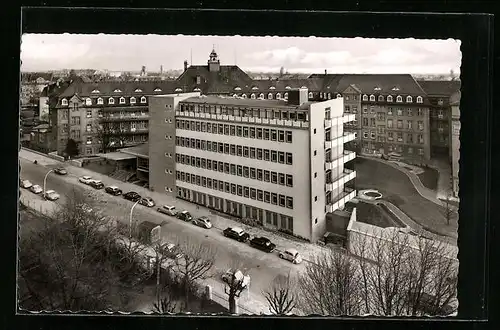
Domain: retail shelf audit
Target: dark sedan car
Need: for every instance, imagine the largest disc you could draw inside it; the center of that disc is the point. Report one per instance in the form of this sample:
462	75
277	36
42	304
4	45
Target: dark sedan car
132	196
60	171
262	243
97	184
185	216
113	190
236	233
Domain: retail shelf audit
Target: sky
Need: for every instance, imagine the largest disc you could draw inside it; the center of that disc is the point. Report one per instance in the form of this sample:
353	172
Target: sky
42	52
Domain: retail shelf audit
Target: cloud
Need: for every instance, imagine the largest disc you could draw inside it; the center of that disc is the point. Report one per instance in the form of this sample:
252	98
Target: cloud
326	58
287	55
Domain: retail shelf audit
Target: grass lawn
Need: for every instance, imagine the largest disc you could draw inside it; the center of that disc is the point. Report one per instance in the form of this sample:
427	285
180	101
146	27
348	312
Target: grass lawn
374	215
397	189
429	178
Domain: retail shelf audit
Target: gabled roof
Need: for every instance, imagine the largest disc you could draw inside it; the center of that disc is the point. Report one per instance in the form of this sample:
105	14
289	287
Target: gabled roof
222	81
373	83
107	88
264	86
440	88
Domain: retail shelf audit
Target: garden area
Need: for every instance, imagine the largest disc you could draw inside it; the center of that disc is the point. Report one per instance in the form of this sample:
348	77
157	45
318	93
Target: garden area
429	178
375	215
396	188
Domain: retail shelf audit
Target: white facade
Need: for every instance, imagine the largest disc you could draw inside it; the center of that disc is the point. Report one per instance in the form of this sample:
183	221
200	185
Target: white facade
307	199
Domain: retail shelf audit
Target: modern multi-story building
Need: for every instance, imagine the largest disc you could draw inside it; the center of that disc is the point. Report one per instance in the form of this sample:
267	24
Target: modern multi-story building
279	162
455	140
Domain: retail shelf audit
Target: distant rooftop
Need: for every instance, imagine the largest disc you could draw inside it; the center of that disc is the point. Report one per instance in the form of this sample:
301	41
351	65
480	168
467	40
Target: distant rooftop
212	99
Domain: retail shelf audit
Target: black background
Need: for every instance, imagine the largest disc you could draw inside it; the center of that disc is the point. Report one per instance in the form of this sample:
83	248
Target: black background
478	295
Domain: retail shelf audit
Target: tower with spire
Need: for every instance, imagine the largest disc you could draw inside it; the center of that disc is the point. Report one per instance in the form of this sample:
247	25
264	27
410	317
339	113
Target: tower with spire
213	61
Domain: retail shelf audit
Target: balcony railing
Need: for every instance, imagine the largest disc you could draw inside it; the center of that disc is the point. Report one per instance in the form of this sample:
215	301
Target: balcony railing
124	118
333	163
345	177
253	120
339	202
346	118
346	137
137	130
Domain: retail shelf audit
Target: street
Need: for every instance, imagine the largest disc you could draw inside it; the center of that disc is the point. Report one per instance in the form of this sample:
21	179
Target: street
261	266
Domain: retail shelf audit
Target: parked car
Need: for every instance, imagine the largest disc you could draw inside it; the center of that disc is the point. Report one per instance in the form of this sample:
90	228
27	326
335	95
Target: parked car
168	210
291	255
113	190
132	196
36	189
60	171
97	184
202	222
86	179
185	216
263	243
26	184
51	195
237	275
147	201
236	233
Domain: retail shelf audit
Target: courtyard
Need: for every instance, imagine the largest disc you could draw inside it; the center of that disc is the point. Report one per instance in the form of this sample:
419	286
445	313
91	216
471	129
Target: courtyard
397	188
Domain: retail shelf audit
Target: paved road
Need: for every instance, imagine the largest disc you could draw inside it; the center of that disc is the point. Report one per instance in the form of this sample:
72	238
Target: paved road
262	267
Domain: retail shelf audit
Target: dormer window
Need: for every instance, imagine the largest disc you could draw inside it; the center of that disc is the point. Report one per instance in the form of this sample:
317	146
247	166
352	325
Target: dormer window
377	89
122	100
237	88
288	87
389	98
132	100
235	95
409	99
64	102
252	96
196	89
157	89
395	88
420	99
286	96
278	96
143	99
138	90
117	90
399	98
329	96
381	98
100	101
111	100
88	101
270	96
365	97
272	88
255	88
261	95
372	98
178	90
338	96
95	91
244	96
310	95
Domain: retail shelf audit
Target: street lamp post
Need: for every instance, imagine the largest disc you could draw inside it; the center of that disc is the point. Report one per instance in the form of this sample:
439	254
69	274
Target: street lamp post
45	181
130	221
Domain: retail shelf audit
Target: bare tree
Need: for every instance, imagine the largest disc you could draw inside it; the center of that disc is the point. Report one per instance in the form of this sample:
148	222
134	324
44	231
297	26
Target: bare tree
281	295
165	305
234	285
330	285
108	133
194	263
449	210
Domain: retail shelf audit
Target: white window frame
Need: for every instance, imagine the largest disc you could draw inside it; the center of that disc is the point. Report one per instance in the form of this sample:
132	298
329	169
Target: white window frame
88	101
310	95
420	99
365	135
100	101
399	98
365	97
278	96
270	96
111	100
244	96
143	99
252	96
64	102
381	98
372	98
261	95
286	95
390	98
89	128
132	100
89	140
122	100
409	99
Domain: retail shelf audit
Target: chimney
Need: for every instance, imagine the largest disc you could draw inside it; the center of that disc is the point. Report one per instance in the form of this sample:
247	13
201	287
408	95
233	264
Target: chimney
326	72
185	65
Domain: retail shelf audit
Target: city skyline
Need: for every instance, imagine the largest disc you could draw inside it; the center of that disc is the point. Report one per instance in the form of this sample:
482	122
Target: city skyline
44	52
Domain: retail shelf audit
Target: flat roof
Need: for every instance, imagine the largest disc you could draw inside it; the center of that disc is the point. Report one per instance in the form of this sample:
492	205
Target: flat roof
116	156
212	99
141	150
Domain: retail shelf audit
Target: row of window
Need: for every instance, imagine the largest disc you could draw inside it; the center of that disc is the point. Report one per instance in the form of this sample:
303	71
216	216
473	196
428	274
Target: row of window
236	150
390	111
392	137
234	189
389	98
239	170
111	100
233	110
372	147
236	130
390	124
